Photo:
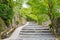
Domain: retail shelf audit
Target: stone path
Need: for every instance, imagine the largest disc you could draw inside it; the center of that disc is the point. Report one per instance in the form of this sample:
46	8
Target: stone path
32	31
16	32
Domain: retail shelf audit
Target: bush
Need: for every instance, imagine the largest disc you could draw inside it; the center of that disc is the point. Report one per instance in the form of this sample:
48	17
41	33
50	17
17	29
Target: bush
6	13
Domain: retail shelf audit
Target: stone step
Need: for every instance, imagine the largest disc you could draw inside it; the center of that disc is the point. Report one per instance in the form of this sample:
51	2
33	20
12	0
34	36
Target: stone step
42	29
34	25
27	28
35	28
35	31
36	34
36	39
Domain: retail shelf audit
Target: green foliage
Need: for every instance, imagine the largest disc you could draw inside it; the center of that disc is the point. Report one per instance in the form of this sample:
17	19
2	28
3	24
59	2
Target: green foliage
40	9
5	12
26	13
47	7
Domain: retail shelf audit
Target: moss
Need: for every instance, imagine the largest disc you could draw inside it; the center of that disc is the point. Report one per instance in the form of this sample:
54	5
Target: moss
2	25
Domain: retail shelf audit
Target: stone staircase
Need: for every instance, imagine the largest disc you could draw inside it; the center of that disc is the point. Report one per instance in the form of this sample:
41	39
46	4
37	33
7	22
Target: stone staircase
35	32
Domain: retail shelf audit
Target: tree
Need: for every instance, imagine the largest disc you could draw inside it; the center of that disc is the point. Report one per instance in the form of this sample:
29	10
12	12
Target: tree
39	8
54	15
48	7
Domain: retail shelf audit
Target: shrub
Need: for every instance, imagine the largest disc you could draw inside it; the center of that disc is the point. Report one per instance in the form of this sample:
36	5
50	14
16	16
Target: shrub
6	13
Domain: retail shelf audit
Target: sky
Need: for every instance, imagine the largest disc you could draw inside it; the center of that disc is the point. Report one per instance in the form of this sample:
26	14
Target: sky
25	5
14	0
